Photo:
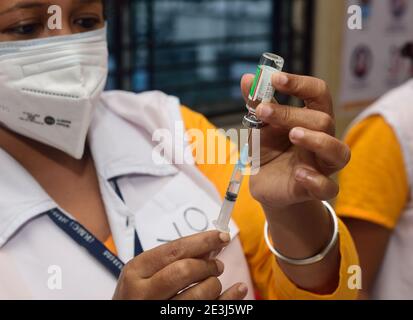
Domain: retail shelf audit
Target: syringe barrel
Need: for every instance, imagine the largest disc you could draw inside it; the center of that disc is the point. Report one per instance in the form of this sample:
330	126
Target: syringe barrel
225	216
231	195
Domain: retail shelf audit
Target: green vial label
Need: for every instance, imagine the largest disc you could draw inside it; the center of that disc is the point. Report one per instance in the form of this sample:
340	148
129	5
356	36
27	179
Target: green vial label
254	85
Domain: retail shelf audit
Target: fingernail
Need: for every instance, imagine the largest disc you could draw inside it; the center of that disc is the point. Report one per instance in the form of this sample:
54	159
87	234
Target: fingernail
220	266
297	134
301	174
280	78
243	289
264	111
225	237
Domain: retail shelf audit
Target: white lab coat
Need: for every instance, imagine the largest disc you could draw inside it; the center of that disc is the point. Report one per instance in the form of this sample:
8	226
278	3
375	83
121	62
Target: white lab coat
39	261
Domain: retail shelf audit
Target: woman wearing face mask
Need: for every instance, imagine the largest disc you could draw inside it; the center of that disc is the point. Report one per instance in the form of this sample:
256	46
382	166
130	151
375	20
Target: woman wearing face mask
99	217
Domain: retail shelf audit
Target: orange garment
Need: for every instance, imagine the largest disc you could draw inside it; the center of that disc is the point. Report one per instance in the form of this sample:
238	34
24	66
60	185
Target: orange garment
268	278
110	245
266	274
374	186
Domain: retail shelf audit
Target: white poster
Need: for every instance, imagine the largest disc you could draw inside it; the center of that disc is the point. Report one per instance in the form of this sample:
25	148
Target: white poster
372	63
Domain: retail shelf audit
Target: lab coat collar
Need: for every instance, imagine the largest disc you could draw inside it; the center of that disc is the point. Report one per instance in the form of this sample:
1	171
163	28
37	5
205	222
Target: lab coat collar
119	148
21	197
122	146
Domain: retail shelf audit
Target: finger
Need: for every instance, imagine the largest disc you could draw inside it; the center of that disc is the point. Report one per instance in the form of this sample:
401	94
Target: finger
332	153
183	273
209	289
313	91
236	292
317	185
150	262
246	84
290	117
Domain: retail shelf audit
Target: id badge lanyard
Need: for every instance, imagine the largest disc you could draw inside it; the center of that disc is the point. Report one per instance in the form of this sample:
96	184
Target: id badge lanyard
87	240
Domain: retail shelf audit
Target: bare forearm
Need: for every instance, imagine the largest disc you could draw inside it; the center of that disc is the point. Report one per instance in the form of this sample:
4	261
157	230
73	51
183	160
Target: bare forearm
302	231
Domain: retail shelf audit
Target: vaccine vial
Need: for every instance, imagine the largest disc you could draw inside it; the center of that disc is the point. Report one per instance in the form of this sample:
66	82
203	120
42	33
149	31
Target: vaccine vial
262	90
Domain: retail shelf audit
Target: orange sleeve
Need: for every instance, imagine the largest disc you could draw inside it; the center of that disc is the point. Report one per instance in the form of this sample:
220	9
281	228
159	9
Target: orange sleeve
268	278
374	186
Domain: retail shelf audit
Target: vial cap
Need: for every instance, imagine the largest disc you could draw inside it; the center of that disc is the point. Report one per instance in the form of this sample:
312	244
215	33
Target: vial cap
272	60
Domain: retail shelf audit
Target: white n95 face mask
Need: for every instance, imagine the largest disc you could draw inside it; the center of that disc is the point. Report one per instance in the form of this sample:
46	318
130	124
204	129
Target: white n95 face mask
49	87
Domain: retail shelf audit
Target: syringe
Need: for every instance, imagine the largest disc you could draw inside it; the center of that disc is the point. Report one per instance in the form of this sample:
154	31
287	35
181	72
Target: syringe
222	223
261	91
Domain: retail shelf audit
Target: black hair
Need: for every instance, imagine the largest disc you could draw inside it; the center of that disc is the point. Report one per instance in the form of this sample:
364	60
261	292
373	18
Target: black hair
407	50
105	7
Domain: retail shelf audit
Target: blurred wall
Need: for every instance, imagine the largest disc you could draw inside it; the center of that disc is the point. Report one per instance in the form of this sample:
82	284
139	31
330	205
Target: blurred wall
328	45
327	49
